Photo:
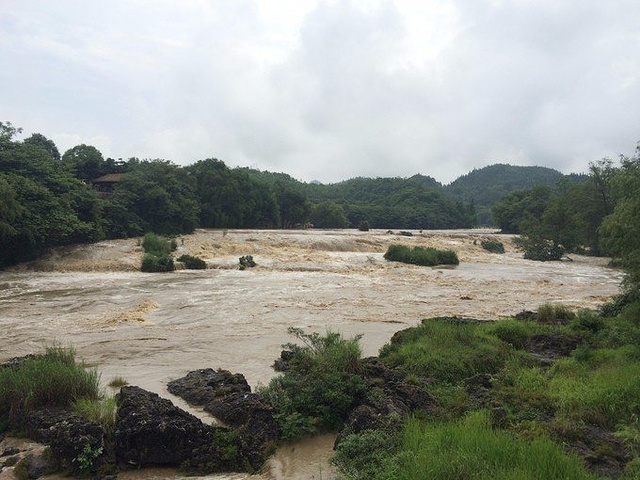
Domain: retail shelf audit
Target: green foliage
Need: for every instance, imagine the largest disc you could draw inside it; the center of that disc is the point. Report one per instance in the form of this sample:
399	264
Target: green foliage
117	382
548	313
50	379
86	459
421	255
99	410
156	245
321	386
192	263
152	263
246	262
369	455
470	448
328	215
363	226
539	248
445	350
515	212
493	246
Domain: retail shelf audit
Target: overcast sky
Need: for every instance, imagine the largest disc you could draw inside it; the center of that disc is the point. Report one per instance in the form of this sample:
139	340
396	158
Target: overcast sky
328	90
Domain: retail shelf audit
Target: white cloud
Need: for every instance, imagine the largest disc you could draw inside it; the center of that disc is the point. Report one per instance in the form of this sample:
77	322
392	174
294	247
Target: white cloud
329	89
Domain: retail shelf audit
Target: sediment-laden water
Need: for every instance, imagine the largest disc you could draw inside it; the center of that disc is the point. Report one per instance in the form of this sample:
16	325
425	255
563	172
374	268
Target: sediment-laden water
151	328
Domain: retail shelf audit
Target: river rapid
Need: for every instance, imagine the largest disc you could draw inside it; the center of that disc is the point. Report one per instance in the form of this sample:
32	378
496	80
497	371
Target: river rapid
152	328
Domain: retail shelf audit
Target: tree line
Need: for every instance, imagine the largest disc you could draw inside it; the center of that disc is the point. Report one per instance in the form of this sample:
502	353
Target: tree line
48	199
598	216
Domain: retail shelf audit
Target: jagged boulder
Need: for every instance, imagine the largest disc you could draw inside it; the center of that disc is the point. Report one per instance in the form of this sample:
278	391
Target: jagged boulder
77	444
200	387
152	431
549	347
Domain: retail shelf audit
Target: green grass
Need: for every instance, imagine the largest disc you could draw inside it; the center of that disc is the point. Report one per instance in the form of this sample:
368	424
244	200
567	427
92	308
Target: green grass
117	382
446	351
551	312
102	411
157	245
470	448
421	255
51	379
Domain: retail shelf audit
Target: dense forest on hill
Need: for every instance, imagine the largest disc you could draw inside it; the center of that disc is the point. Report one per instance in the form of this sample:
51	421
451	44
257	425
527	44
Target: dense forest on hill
485	186
49	199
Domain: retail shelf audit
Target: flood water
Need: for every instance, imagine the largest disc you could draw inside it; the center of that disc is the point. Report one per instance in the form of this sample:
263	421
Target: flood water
152	328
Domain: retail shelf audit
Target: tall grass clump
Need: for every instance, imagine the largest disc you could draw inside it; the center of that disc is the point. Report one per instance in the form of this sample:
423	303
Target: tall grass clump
425	256
157	245
445	350
470	448
50	379
321	386
548	313
102	411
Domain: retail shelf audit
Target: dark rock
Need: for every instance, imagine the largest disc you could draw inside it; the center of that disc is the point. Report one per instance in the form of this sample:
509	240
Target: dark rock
548	347
152	431
11	461
38	465
76	443
228	398
200	387
604	453
10	451
377	372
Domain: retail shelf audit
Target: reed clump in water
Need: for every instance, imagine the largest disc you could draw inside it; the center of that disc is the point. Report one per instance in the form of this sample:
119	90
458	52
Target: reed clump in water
426	256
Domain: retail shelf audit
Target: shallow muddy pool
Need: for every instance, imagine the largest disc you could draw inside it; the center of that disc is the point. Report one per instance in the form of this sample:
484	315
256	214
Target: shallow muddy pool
151	328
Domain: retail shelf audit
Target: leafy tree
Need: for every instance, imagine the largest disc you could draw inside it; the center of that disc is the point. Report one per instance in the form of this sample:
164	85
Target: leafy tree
328	215
85	161
39	140
519	211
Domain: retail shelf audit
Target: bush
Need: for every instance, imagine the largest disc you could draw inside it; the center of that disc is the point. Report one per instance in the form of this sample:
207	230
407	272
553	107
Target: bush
246	261
193	263
152	263
51	379
363	226
321	386
102	411
421	255
539	249
493	246
157	245
549	313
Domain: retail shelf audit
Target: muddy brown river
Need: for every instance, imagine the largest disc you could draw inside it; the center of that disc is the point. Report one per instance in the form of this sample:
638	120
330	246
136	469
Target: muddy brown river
151	328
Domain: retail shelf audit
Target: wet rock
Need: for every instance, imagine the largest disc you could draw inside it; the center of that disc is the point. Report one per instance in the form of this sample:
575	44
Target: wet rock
200	387
152	431
527	315
76	443
549	347
9	451
38	465
228	397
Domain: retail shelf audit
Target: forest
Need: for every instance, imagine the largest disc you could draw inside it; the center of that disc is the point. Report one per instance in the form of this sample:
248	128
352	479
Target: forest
49	199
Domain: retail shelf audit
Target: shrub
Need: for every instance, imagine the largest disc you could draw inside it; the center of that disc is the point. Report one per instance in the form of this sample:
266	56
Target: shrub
50	379
117	382
539	249
152	263
549	313
421	255
193	263
246	261
157	245
321	386
493	246
363	226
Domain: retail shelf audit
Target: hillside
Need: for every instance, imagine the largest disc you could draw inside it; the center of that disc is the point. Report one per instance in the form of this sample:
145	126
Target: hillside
487	185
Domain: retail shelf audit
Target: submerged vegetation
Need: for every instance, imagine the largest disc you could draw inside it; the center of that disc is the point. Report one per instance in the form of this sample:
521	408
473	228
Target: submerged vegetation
421	255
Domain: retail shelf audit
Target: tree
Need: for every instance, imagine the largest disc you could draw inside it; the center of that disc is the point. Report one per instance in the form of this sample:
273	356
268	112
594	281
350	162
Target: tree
85	161
40	141
329	215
